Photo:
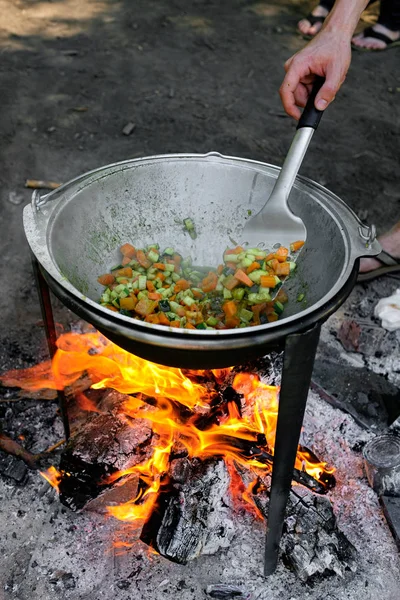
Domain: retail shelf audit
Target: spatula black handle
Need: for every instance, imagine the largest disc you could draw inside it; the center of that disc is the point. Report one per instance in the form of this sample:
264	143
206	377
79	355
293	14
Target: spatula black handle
311	116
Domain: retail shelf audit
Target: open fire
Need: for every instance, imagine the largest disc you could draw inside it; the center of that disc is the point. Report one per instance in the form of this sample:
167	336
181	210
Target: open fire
222	414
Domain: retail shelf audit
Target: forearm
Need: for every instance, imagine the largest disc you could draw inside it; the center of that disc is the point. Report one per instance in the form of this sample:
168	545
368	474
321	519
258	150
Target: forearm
344	16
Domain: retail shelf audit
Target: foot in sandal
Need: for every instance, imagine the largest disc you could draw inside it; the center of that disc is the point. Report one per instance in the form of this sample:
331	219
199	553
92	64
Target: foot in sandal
377	37
388	262
312	24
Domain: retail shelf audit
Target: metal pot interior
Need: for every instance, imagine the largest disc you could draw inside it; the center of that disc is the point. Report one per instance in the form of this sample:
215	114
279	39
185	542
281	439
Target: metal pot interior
145	201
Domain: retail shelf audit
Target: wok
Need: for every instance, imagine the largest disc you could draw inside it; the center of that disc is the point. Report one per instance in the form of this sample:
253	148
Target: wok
75	233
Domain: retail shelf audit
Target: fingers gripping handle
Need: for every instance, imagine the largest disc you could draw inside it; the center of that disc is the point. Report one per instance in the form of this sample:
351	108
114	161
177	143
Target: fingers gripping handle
311	116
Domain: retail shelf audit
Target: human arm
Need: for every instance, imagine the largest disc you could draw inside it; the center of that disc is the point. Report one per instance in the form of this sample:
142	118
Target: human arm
328	54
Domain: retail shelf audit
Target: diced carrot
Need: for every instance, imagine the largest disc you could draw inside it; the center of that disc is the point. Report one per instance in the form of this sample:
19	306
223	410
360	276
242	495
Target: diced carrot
281	254
189	326
128	250
272	317
183	284
283	269
257	310
177	258
160	275
209	282
111	307
126	260
232	322
150	286
172	298
220	268
229	308
231	265
267	281
270	256
230	282
145	306
253	267
181	311
163	319
143	260
295	246
269	308
197	294
125	272
159	266
236	250
282	296
174	323
154	296
274	263
106	279
122	280
154	318
260	257
241	275
128	303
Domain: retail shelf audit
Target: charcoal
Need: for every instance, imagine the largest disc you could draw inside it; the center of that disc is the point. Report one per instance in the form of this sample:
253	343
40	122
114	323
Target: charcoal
106	443
192	515
225	591
13	468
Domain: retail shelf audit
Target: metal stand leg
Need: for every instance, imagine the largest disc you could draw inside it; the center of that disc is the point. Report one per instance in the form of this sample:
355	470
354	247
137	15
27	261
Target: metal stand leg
298	364
51	336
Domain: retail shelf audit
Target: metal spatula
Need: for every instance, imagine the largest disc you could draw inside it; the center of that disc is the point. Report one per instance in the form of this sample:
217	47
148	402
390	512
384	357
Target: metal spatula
275	224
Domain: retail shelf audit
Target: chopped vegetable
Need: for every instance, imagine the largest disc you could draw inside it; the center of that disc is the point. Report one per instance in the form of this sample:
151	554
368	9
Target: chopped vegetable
189	226
295	246
162	288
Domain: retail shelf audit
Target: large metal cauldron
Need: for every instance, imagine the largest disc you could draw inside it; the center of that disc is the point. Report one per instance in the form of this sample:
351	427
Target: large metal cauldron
76	230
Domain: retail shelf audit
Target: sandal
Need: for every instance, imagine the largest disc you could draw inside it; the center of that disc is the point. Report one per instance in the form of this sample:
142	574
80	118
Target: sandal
389	263
371	33
312	19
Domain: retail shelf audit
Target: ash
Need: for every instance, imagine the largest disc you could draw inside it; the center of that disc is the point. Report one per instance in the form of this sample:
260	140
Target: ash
48	552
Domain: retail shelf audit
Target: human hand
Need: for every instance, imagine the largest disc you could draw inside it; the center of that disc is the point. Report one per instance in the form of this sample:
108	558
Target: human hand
328	55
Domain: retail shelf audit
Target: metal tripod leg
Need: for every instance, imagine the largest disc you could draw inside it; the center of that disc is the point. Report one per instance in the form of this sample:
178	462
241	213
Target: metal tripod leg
298	364
51	336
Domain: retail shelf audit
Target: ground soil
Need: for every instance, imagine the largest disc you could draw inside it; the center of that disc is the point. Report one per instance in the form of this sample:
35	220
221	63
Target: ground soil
193	76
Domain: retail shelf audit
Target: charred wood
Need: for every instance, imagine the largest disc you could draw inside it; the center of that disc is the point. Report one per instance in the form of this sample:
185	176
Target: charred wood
192	517
105	444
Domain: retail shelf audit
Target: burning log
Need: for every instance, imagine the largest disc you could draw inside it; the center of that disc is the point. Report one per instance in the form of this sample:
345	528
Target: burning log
192	517
107	443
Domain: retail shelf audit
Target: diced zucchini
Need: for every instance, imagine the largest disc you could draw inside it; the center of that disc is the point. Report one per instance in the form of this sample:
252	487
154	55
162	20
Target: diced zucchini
292	266
259	298
175	277
174	306
300	297
255	276
238	293
153	256
166	292
227	294
233	258
142	281
188	300
201	326
212	321
116	267
189	226
246	262
170	268
278	307
115	302
142	295
246	315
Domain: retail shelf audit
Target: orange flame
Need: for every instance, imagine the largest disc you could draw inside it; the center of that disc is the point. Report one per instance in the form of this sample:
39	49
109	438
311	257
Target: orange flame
243	439
52	476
